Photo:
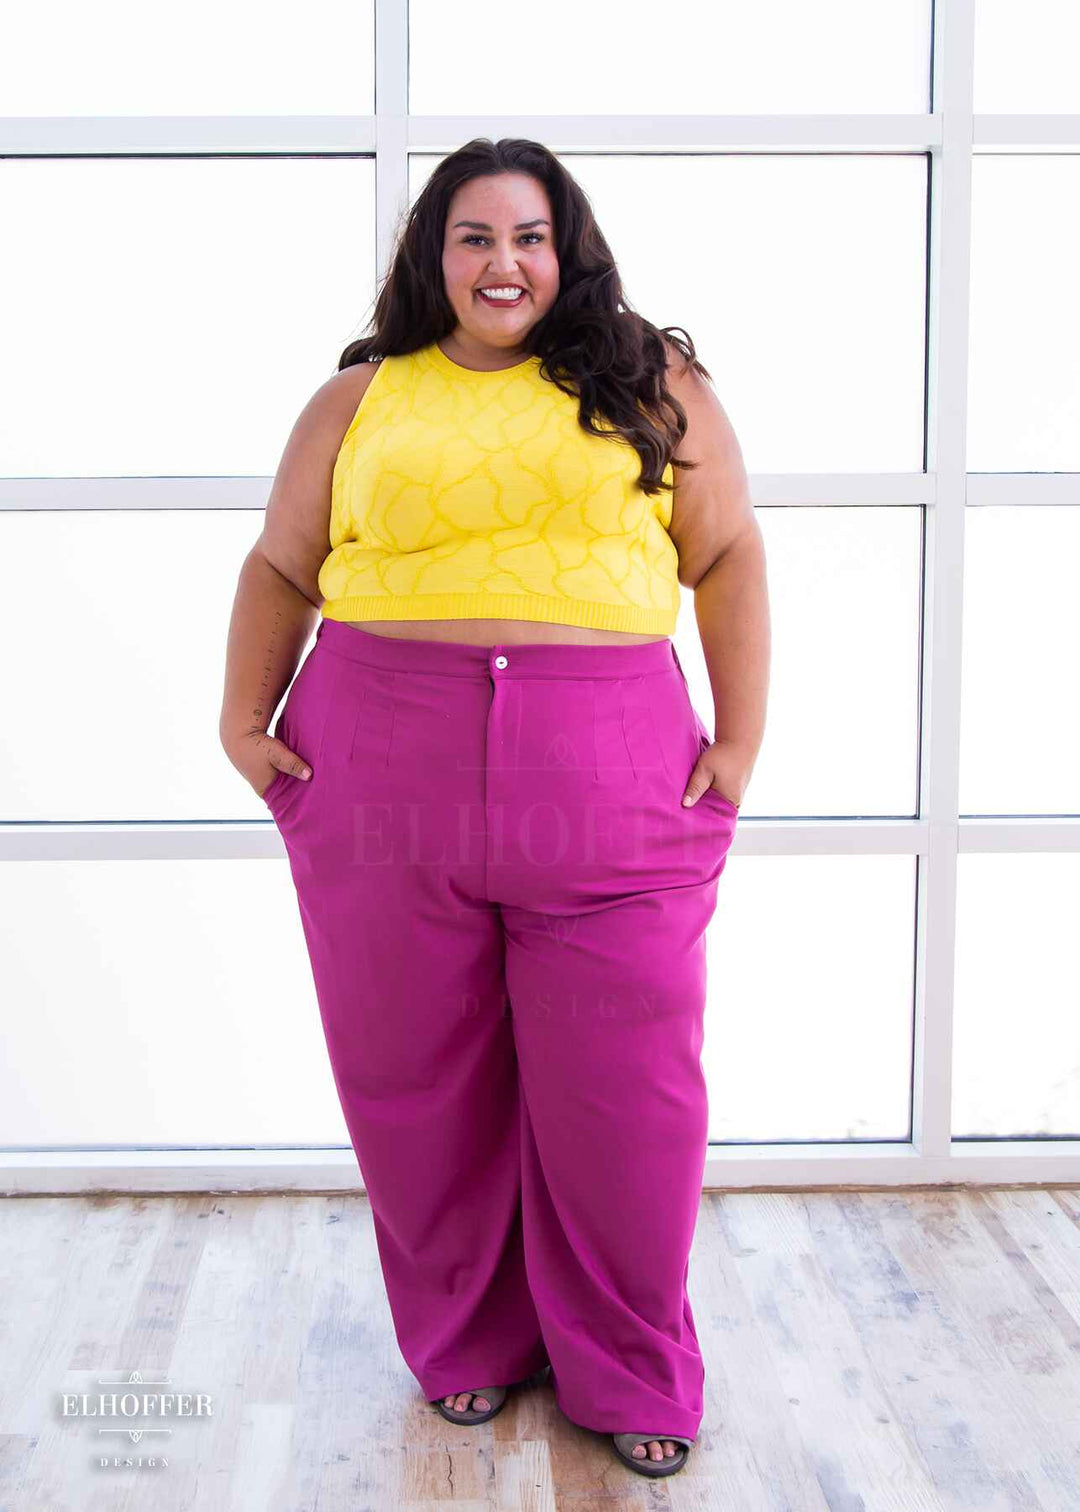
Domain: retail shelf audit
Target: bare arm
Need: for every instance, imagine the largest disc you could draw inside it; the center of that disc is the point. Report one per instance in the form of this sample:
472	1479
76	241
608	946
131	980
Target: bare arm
722	557
277	601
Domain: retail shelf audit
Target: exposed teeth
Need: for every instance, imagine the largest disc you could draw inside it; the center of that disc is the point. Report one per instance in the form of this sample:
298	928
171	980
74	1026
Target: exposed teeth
503	293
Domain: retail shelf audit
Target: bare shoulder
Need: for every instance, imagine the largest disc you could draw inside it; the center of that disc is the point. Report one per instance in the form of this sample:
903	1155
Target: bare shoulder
322	423
712	507
358	375
707	424
682	378
343	392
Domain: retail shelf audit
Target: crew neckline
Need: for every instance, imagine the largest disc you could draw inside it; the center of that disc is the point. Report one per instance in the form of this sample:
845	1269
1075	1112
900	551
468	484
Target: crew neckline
448	365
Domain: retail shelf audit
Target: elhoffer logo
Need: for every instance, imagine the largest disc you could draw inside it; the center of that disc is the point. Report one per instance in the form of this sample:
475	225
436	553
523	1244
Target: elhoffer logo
131	1412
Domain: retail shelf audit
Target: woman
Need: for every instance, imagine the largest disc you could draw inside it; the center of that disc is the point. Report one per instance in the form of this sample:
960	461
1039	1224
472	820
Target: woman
505	820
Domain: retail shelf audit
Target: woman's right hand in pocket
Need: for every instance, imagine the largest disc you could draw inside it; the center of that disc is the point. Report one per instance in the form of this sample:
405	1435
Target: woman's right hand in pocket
259	757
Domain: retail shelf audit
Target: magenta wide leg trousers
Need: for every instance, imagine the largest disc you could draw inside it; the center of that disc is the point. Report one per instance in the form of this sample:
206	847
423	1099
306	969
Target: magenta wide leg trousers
505	904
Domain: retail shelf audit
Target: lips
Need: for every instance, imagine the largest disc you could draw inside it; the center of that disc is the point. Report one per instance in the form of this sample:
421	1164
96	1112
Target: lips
500	301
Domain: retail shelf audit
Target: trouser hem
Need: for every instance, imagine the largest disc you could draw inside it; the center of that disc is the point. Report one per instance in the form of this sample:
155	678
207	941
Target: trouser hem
455	1381
645	1419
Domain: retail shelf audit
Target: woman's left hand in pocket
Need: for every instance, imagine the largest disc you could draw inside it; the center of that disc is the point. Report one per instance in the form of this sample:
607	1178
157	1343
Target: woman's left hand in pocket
722	768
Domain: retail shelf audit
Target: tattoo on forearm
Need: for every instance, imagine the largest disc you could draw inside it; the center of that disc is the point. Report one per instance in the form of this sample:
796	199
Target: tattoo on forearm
262	712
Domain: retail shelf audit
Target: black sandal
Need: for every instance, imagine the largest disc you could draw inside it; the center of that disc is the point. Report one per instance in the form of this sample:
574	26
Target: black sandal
625	1442
494	1394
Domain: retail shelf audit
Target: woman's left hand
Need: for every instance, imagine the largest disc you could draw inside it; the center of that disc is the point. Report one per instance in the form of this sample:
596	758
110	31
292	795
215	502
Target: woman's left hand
721	767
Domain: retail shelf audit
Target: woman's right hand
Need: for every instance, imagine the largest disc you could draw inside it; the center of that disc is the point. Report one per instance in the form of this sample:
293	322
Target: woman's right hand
259	757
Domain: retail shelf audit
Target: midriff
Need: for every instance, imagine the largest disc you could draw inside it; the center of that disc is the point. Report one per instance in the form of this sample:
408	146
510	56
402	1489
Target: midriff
496	632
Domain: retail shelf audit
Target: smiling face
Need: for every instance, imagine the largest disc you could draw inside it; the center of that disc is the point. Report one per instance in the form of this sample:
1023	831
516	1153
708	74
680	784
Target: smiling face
499	231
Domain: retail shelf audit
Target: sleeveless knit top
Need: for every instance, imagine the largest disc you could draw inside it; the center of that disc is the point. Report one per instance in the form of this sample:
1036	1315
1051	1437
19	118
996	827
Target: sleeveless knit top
466	495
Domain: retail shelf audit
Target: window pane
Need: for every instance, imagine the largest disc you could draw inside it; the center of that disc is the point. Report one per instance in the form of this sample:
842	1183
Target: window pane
184	323
1023	368
802	281
120	57
180	1010
1020	721
842	729
680	58
837	999
1016	1036
113	698
1025	56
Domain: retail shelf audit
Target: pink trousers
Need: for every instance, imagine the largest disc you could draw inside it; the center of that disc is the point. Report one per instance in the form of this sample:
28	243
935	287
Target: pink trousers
505	904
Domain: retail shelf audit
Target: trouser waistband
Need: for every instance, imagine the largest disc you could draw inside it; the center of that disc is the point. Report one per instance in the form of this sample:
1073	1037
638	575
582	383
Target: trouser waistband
533	659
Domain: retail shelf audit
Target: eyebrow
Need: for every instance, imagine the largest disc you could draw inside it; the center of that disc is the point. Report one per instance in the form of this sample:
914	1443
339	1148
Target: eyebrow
483	226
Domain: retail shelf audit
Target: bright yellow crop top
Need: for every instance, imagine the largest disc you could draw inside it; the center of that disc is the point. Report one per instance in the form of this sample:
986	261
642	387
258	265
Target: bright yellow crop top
466	495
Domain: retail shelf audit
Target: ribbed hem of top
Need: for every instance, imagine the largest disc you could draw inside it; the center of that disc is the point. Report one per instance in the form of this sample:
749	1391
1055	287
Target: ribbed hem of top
522	606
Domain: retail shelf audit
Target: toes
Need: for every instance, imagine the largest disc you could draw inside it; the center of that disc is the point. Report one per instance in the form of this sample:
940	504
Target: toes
461	1402
654	1449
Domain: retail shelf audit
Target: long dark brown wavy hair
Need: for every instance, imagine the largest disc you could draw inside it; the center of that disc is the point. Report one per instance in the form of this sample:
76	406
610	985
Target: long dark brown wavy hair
593	346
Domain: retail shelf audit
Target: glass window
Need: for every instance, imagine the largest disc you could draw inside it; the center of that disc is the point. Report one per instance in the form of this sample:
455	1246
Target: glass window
161	1004
842	736
679	58
1025	56
811	1041
1016	1044
175	314
1020	719
112	715
121	58
1024	334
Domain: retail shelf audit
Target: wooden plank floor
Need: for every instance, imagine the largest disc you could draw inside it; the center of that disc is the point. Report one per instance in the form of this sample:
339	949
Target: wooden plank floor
864	1350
